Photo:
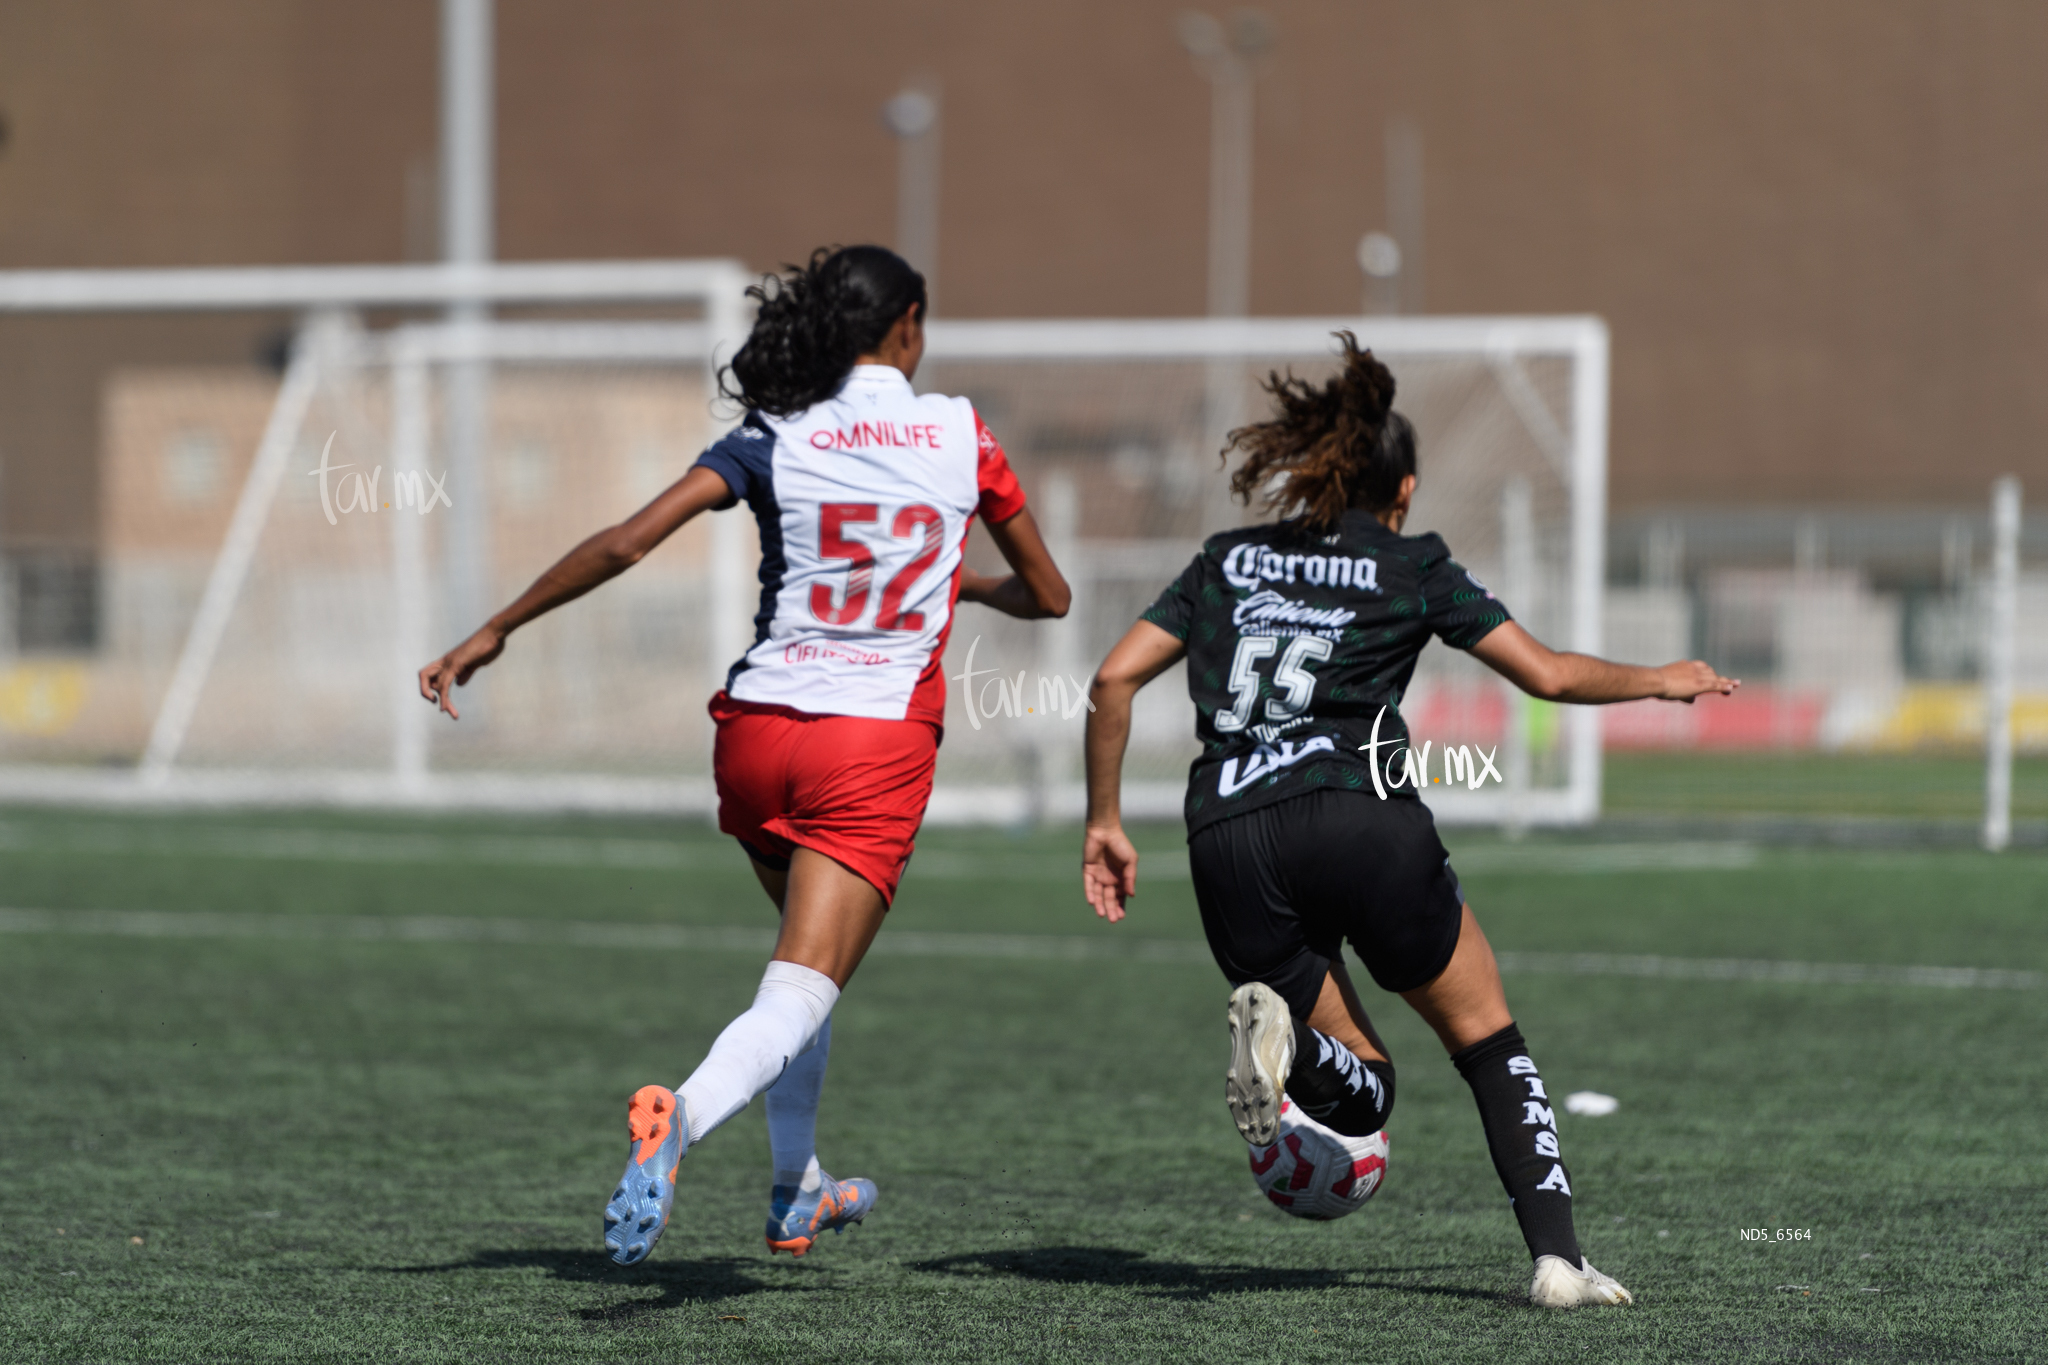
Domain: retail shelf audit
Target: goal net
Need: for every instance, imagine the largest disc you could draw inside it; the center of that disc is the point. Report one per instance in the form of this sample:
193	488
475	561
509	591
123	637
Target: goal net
267	650
1117	428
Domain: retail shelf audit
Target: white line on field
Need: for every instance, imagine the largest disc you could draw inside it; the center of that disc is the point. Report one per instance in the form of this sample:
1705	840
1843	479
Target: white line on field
574	933
1764	969
1681	856
350	846
543	850
1108	946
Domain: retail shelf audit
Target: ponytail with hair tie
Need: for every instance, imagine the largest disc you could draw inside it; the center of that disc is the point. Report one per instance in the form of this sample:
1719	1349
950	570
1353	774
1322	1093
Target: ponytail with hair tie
1333	447
814	321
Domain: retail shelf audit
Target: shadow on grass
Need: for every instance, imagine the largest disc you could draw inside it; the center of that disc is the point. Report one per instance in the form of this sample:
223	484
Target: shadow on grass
1118	1268
680	1282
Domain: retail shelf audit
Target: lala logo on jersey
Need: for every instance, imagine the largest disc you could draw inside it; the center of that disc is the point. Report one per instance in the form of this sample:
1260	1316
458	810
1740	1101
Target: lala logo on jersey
1266	760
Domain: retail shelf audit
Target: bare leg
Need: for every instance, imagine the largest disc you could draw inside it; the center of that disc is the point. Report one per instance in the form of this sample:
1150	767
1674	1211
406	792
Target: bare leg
829	914
775	881
1465	1003
1340	1014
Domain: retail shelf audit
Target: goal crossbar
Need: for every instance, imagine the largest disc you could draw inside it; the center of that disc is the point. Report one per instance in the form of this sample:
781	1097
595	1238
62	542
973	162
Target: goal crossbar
364	286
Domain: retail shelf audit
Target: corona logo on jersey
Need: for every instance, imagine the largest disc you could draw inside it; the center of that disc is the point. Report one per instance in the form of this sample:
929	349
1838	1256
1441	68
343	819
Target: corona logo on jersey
1245	565
863	504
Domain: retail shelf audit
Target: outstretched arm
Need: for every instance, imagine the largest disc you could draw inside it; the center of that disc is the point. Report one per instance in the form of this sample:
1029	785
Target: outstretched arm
1543	672
1109	864
603	556
1035	589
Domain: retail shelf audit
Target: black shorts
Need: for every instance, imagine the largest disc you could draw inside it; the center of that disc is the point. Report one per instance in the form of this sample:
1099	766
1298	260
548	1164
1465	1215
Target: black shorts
1282	887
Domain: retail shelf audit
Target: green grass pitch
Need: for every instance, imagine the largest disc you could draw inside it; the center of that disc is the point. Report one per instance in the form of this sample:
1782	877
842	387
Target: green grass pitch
336	1148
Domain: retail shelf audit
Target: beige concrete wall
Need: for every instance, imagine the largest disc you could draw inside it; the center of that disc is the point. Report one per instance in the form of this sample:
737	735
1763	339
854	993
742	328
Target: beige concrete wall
1813	226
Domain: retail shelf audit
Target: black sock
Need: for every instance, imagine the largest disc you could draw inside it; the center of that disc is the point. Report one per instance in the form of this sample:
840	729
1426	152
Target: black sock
1336	1088
1521	1132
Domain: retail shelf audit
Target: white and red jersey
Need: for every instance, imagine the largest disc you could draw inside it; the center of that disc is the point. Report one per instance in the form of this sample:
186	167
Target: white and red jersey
863	503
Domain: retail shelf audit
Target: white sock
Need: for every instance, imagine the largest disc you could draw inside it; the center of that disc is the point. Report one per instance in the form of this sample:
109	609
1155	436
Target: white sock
791	1006
793	1115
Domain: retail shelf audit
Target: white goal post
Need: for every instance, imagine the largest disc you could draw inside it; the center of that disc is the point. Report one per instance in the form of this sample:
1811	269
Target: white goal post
1114	426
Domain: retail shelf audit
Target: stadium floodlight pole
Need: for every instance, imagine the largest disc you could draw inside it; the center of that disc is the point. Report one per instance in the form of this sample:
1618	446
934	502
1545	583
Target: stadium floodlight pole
1404	211
1379	257
1228	57
467	240
913	116
7	613
2000	649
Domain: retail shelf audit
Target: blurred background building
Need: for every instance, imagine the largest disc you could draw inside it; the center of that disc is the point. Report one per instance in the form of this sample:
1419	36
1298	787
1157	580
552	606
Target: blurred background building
1813	231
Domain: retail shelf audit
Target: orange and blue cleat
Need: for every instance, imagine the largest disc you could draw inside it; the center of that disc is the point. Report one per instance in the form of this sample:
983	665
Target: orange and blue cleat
795	1219
639	1209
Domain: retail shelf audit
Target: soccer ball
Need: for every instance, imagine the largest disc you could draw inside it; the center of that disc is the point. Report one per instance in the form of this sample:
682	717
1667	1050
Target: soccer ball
1313	1172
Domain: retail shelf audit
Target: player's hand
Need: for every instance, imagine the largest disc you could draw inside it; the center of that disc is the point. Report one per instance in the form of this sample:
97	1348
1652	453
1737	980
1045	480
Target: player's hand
1690	678
1109	870
439	679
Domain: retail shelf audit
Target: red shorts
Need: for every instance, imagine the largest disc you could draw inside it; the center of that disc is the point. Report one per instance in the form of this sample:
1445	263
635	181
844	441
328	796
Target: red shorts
852	788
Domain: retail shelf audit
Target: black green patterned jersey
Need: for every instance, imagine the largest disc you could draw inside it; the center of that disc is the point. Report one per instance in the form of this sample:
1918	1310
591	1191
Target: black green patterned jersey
1299	643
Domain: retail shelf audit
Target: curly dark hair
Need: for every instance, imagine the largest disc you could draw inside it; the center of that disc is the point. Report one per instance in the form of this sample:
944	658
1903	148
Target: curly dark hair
1335	447
813	321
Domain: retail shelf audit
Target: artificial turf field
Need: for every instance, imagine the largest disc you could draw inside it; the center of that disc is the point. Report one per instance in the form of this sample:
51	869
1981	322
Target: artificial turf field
308	1142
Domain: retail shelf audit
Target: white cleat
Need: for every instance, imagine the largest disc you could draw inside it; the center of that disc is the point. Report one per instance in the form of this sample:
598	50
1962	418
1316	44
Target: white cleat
1560	1284
1261	1055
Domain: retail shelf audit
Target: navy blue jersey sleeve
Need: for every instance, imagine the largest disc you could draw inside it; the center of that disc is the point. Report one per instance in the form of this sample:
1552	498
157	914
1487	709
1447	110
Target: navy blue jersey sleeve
1459	609
1177	607
743	458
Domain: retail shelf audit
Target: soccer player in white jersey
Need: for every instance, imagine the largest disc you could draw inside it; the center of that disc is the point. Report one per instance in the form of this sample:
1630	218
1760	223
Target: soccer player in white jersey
829	723
1306	825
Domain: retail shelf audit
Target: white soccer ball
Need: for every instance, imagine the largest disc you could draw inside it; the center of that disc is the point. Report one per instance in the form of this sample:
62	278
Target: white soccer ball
1312	1172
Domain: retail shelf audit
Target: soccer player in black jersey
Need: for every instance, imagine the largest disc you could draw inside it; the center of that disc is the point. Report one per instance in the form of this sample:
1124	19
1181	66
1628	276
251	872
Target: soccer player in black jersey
1305	822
